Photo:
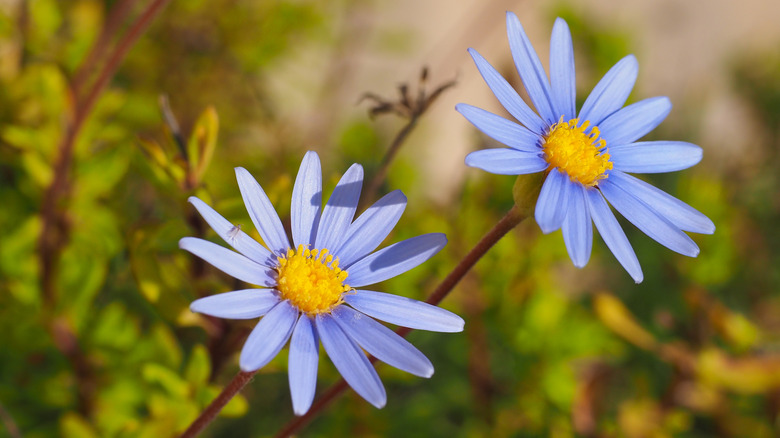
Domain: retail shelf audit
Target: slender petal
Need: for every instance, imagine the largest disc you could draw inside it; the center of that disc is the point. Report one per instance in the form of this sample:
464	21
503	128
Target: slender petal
530	68
239	304
350	360
553	201
306	200
302	365
233	235
613	235
647	220
268	337
655	156
500	129
405	312
633	122
371	228
229	262
562	73
262	212
682	215
382	343
506	161
577	227
508	96
340	209
611	92
395	259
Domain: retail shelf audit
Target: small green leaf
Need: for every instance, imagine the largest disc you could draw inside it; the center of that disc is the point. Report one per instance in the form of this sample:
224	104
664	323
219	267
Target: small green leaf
72	424
202	143
199	366
167	379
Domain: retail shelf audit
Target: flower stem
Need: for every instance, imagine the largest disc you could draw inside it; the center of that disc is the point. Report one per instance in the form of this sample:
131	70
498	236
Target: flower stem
235	385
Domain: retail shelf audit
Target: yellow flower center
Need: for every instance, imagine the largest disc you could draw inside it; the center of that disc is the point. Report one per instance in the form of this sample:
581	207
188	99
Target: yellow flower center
311	279
582	156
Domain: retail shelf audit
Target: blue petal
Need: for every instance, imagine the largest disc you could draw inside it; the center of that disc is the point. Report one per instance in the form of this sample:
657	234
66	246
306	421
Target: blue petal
262	212
553	201
340	209
611	92
562	73
631	123
500	129
655	156
508	96
613	235
229	262
395	259
382	343
371	228
302	364
506	161
240	304
682	215
350	360
405	312
306	200
647	220
232	234
268	337
530	68
577	228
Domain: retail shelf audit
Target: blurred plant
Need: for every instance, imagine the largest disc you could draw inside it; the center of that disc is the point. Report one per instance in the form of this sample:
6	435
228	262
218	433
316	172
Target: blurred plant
408	108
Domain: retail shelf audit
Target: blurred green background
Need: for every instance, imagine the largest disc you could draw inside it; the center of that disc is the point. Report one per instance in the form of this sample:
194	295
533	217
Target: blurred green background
97	338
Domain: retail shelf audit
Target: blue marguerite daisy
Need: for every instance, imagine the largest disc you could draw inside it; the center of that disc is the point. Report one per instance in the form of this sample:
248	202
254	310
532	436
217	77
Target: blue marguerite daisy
586	155
309	291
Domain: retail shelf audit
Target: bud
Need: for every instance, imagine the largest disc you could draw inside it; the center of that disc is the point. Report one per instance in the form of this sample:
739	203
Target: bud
526	191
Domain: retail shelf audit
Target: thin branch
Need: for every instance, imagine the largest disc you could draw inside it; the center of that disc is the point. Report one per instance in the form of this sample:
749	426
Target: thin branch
9	423
406	107
235	385
173	125
55	227
115	17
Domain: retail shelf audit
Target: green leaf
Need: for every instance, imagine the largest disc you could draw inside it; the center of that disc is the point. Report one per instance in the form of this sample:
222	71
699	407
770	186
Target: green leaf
167	379
72	424
203	141
199	366
18	261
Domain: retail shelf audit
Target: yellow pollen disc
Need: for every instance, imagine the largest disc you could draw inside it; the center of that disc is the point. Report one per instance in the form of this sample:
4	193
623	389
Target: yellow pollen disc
311	279
582	156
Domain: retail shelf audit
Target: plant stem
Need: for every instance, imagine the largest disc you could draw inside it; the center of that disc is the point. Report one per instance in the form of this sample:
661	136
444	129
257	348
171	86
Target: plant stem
235	385
115	17
55	228
395	146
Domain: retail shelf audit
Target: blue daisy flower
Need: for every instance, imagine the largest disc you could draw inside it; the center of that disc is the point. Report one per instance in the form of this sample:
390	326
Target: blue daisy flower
313	292
587	155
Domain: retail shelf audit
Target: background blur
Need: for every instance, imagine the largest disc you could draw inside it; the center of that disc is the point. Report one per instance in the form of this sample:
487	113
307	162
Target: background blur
97	339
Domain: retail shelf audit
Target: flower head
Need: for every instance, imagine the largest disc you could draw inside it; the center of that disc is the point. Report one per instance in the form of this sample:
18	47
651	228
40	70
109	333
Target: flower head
586	155
311	292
